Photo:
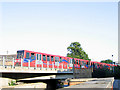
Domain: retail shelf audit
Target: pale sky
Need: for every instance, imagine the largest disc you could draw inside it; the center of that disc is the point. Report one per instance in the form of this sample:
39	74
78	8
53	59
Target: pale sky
50	27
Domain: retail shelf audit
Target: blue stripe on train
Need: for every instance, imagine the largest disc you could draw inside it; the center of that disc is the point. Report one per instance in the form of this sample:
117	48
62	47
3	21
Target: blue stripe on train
26	60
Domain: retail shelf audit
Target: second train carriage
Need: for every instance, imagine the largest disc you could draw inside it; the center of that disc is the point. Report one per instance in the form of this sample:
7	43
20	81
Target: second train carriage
55	61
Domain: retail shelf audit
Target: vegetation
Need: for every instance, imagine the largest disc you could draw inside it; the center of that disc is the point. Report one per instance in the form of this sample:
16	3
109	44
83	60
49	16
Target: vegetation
102	73
107	61
105	72
12	83
76	51
117	72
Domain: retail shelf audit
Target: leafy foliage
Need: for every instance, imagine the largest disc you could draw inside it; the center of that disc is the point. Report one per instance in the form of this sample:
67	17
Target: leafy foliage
107	61
117	72
76	51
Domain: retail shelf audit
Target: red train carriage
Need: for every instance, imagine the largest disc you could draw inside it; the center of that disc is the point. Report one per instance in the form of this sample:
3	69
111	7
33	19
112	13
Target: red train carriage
80	63
38	59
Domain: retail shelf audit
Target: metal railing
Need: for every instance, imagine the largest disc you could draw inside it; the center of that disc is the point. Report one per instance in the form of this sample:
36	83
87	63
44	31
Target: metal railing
10	62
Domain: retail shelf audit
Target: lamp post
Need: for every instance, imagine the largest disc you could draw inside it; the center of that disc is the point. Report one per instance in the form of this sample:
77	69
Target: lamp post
113	63
73	65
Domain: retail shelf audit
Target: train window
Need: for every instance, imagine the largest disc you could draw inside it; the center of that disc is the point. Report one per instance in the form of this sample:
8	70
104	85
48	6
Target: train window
68	60
52	58
74	61
60	59
39	56
91	64
56	59
77	61
87	63
83	63
20	54
27	55
44	57
48	58
32	56
71	60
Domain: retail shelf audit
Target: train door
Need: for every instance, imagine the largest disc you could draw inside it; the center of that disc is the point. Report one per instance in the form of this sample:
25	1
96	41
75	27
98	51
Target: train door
80	64
26	58
76	64
87	64
56	62
39	62
33	58
20	56
52	62
71	63
68	61
48	61
44	58
60	63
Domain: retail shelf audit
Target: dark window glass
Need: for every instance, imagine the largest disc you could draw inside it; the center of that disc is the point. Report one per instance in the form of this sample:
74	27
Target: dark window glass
20	54
48	58
32	56
39	56
60	59
27	55
44	57
74	61
79	62
83	63
56	59
52	58
68	60
87	63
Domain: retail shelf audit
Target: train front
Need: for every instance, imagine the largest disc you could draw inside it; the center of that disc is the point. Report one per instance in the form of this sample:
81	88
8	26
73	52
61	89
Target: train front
20	56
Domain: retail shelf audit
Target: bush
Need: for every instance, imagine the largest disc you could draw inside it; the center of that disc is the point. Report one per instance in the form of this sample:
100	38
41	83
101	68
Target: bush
102	73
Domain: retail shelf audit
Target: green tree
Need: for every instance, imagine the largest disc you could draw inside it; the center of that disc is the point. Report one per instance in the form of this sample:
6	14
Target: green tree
76	51
108	61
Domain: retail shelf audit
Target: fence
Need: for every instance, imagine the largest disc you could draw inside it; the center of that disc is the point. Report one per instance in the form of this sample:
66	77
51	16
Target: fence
9	62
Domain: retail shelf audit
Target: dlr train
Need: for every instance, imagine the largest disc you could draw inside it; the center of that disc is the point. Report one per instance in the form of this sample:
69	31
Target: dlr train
38	59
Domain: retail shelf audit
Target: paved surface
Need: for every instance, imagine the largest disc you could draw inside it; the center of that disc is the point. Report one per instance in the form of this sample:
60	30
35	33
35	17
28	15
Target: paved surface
97	83
116	84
